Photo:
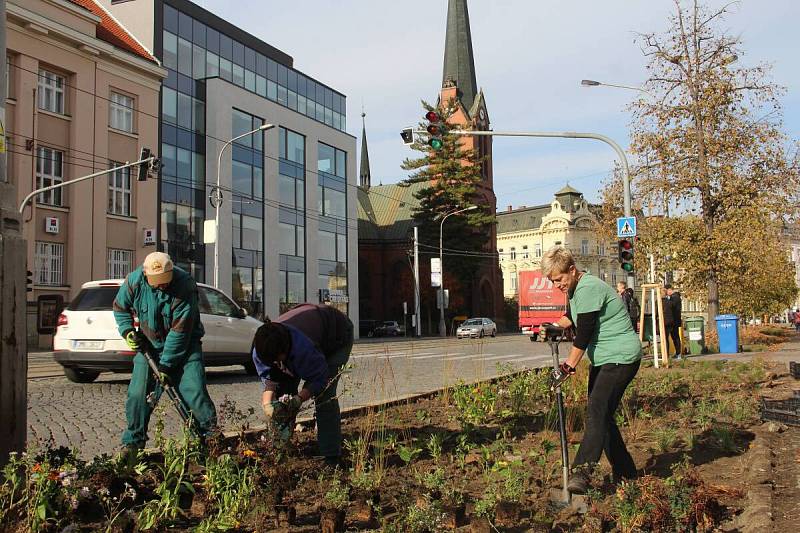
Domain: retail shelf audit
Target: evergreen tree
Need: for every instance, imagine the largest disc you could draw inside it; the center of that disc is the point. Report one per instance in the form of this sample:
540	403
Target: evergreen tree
452	175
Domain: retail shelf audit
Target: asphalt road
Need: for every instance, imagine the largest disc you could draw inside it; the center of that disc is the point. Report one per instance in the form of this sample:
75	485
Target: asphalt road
91	417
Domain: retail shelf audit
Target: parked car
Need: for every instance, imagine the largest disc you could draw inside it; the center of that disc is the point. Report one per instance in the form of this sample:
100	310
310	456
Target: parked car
391	328
476	327
87	341
369	328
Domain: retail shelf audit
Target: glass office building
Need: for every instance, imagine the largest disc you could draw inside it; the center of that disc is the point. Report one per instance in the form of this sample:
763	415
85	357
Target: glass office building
286	192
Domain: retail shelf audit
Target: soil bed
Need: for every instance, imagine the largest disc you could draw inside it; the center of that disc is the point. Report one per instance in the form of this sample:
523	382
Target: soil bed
468	457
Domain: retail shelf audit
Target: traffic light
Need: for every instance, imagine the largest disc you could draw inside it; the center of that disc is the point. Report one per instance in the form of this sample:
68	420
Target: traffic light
144	168
435	129
28	281
625	249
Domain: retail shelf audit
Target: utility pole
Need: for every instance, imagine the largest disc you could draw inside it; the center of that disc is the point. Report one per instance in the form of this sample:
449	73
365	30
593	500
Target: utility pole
13	300
417	321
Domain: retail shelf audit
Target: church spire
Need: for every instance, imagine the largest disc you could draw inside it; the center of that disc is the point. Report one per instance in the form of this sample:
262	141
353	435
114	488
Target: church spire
364	175
459	64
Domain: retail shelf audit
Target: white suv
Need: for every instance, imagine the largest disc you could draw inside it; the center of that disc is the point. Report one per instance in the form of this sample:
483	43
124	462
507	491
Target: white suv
87	341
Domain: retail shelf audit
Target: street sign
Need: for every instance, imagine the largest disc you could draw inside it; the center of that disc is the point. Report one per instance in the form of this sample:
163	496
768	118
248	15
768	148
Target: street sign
436	264
436	279
626	227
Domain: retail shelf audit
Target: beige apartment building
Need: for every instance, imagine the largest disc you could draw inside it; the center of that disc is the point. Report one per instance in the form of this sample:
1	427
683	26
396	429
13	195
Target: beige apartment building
525	233
83	96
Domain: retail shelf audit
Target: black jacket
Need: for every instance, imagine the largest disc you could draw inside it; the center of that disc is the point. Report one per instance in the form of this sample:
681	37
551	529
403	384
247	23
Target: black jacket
676	306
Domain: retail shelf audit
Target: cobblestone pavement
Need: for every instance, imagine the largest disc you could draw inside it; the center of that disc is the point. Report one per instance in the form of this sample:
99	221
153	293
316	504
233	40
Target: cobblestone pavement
91	417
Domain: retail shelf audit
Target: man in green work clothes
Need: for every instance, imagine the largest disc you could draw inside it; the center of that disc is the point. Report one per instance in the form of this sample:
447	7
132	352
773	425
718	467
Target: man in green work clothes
604	332
164	300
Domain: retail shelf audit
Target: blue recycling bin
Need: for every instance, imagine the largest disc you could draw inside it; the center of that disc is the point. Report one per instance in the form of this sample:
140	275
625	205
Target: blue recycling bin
728	332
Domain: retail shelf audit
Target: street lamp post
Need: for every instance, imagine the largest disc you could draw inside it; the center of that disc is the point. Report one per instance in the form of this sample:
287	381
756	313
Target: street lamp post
217	192
442	325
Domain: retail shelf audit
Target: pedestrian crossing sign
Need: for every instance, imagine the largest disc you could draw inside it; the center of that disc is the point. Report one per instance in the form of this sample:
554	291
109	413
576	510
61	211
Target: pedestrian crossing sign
626	227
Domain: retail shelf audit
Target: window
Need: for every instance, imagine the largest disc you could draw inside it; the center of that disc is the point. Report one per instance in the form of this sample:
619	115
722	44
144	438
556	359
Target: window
500	253
537	250
601	249
121	112
49	171
51	91
513	281
513	253
119	263
215	303
524	252
584	247
119	191
48	261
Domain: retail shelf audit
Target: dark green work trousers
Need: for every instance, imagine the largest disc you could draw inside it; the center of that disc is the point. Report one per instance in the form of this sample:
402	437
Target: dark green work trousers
190	381
326	404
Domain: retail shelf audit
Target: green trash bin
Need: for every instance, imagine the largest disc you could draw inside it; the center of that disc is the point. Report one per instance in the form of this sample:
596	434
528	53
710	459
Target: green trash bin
694	327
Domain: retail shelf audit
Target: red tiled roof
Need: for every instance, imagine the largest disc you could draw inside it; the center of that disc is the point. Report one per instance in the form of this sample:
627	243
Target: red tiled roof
112	32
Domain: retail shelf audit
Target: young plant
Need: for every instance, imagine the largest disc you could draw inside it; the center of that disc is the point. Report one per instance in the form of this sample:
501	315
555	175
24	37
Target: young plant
178	455
229	488
435	445
408	453
665	437
338	494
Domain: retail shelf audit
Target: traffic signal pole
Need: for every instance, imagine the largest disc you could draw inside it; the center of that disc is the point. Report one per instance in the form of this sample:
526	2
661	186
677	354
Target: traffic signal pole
626	183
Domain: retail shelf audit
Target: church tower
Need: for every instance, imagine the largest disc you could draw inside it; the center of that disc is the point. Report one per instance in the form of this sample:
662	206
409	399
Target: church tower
364	176
459	84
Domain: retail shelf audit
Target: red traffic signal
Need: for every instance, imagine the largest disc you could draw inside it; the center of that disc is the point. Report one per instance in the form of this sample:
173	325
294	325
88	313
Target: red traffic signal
432	116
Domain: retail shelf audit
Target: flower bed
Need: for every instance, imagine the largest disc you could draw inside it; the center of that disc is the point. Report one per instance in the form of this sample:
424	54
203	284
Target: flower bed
483	457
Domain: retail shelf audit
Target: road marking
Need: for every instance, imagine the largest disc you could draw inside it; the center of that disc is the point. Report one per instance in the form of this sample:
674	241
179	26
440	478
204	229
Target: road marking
442	355
390	355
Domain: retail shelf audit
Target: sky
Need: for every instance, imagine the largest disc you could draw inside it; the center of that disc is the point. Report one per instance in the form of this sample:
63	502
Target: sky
530	55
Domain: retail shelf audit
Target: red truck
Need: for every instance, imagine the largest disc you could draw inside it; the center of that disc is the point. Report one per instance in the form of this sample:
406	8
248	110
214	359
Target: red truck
539	302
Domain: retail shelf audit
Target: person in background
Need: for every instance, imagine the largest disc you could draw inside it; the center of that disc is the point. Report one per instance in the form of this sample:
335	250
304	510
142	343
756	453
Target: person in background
797	320
310	343
605	334
676	308
631	303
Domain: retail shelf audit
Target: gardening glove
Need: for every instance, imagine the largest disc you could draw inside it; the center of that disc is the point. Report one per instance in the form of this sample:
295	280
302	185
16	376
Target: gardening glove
134	340
165	374
268	409
560	375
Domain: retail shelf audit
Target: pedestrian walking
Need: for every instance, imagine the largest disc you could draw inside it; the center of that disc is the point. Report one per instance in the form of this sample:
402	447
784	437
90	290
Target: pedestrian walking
797	321
631	303
605	334
163	298
676	309
310	343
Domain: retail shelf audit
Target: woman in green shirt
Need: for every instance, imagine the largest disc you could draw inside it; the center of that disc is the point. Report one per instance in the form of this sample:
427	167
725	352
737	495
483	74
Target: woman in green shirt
605	334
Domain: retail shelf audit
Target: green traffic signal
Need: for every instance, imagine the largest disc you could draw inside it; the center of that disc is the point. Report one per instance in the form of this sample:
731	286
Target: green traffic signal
436	143
627	267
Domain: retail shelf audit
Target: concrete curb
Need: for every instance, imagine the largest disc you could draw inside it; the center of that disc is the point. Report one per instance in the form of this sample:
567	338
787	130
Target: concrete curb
757	514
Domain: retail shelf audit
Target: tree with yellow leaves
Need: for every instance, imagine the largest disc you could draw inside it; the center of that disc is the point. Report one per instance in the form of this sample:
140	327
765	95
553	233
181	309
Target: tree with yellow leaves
713	168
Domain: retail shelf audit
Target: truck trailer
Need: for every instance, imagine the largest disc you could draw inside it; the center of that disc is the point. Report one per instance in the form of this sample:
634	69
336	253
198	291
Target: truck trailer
539	302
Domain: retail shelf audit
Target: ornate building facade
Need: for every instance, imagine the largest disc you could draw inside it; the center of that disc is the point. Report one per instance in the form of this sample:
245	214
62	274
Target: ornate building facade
525	233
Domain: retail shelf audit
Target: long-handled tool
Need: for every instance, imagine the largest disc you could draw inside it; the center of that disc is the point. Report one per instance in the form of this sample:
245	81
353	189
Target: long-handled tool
554	335
150	356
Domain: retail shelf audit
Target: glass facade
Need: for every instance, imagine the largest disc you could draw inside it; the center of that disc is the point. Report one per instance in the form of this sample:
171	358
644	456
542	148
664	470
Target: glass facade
197	51
291	218
192	50
332	235
247	207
